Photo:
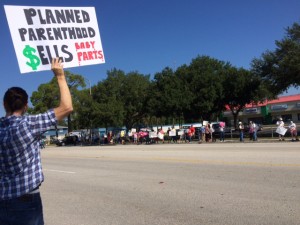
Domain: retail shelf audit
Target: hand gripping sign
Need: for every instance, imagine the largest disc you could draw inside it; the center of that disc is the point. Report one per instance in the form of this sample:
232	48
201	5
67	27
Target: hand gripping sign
43	33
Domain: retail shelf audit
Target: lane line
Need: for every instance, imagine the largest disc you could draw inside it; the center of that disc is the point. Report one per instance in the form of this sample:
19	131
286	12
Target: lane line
249	163
59	171
182	160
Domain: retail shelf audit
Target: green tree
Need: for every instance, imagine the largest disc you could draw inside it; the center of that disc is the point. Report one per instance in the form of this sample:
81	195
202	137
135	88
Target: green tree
47	95
203	79
280	68
121	98
109	109
134	96
83	114
167	96
241	87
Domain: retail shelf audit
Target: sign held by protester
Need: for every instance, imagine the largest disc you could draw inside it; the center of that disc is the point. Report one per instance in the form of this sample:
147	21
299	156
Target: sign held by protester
281	130
42	33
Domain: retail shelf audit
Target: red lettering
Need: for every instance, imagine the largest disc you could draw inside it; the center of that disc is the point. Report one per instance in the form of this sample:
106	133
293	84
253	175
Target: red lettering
100	55
79	45
93	44
79	55
85	56
90	55
85	45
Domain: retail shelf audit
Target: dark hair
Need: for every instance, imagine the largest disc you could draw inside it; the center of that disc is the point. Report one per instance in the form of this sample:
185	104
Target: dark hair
15	98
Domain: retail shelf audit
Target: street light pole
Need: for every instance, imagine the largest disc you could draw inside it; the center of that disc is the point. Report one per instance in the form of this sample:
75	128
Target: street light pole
89	116
89	85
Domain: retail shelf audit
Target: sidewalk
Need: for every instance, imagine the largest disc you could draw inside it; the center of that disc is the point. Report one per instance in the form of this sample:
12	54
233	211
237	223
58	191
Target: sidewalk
260	140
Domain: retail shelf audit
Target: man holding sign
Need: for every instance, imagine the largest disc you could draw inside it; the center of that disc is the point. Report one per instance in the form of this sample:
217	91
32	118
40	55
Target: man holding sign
21	170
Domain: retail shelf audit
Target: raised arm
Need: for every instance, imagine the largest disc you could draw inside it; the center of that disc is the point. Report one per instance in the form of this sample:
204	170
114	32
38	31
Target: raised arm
65	106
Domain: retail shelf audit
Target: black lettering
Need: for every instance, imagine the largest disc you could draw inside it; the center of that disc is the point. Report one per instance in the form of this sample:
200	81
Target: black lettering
64	50
41	17
63	33
49	33
22	32
43	58
86	16
57	34
70	16
60	16
31	35
56	51
78	20
64	30
40	33
49	16
72	33
57	16
47	59
91	32
49	53
29	13
78	32
84	33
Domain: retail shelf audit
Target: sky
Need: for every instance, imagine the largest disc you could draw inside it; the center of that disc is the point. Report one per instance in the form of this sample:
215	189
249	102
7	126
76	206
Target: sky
148	35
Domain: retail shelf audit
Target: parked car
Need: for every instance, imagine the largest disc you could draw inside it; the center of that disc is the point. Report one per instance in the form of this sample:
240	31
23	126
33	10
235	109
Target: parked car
76	133
68	140
216	127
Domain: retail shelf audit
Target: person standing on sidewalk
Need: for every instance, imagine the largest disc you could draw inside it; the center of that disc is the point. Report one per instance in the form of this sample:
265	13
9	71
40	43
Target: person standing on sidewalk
191	133
241	130
253	131
293	130
222	128
21	170
280	129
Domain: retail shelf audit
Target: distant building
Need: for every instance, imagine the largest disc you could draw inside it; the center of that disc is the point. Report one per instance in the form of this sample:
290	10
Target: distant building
286	107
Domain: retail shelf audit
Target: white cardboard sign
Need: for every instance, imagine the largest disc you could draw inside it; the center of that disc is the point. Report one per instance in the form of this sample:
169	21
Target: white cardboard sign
42	33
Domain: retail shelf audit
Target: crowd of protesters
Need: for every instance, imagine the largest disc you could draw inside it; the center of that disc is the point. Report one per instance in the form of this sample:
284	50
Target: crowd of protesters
209	132
150	136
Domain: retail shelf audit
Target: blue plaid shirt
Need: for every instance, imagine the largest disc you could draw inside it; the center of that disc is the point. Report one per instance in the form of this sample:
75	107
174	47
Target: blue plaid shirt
20	160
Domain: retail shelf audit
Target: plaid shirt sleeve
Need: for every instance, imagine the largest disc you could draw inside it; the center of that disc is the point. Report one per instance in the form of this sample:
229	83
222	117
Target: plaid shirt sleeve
40	123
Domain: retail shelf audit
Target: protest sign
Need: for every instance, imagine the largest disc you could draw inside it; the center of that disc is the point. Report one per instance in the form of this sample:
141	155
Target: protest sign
42	33
205	122
180	132
152	134
281	130
160	136
172	133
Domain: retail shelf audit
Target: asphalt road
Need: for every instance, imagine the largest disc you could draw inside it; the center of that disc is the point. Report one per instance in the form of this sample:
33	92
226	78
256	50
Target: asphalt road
173	184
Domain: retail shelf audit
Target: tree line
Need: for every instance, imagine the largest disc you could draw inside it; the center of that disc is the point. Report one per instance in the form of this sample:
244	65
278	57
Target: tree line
199	91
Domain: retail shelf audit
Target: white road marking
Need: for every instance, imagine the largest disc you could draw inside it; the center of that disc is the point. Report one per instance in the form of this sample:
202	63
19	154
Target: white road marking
60	171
